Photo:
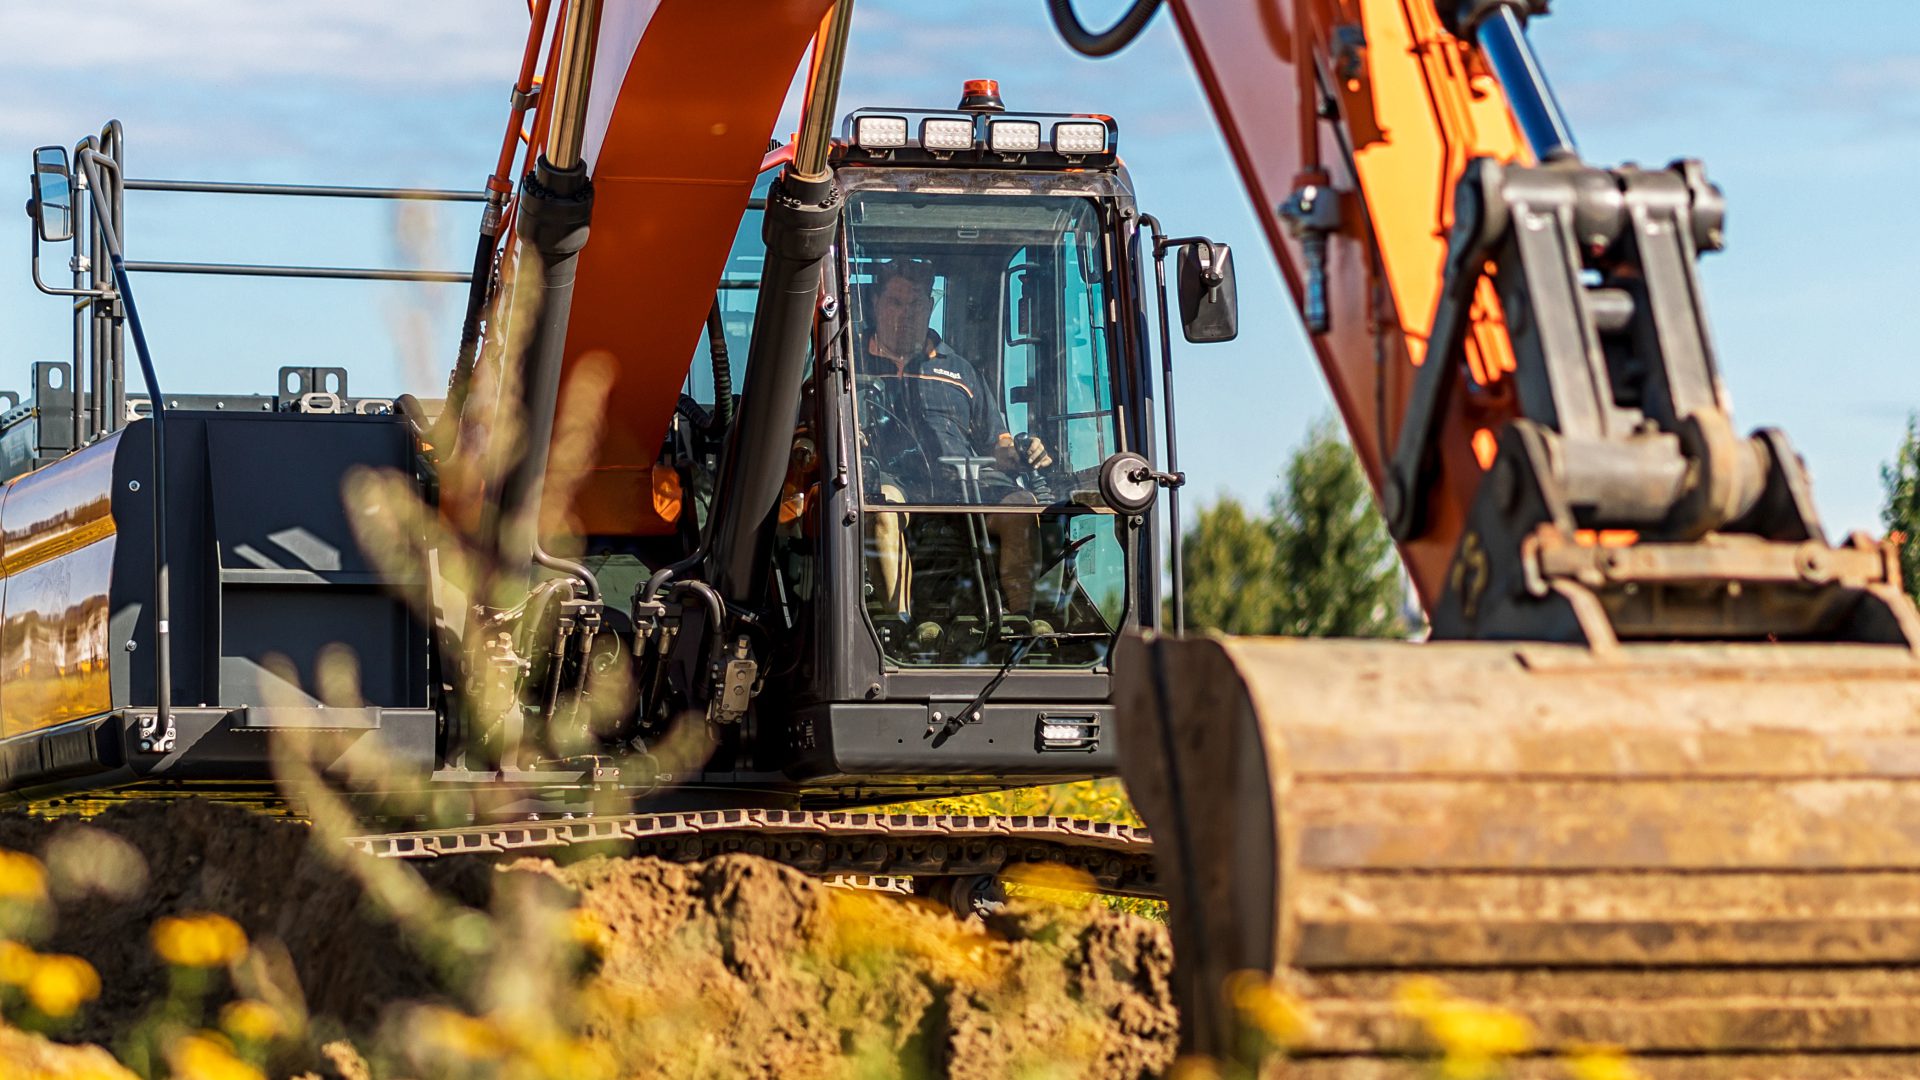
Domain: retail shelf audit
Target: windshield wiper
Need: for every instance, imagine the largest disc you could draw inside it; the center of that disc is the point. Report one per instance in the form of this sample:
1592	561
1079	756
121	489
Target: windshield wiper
941	730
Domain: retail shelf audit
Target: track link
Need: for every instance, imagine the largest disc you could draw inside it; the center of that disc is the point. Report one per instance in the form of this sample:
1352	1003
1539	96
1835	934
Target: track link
829	844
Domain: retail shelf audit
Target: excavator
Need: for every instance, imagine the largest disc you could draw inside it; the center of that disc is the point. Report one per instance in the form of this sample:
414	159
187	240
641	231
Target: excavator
1646	784
851	514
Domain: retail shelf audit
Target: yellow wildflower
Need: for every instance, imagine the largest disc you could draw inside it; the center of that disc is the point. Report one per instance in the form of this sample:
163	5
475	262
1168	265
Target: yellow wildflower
252	1021
465	1036
1472	1036
58	985
1194	1068
1283	1018
1065	885
1476	1032
16	962
199	940
21	876
206	1056
1601	1063
1419	996
590	932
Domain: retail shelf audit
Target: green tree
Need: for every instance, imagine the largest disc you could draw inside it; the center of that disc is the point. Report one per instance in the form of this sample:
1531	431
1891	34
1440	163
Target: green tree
1232	571
1320	565
1901	515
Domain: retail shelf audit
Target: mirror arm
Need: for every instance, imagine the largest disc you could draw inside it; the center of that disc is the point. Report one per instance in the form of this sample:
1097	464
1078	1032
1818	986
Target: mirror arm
1176	562
94	294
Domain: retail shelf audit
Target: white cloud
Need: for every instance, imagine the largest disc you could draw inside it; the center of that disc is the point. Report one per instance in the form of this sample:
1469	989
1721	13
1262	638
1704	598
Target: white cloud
418	44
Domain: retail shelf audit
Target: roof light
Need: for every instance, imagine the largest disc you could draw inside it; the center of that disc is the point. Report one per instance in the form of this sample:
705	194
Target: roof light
1013	136
1080	138
981	95
880	132
946	134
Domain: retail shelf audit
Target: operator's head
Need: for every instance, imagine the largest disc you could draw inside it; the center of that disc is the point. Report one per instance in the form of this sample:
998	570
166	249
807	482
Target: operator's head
901	300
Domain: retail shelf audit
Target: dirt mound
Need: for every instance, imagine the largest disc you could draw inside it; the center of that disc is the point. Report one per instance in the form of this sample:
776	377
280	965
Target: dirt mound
734	967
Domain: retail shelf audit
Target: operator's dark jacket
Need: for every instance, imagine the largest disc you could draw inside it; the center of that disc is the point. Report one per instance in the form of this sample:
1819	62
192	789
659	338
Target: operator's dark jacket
936	406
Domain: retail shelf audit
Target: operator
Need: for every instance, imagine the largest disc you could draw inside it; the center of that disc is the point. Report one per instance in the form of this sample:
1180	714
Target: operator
923	403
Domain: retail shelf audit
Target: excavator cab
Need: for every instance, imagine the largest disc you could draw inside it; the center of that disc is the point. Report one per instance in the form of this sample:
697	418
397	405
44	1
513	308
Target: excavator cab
948	580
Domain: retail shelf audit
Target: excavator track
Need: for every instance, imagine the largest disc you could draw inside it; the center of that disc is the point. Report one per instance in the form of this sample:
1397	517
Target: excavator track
859	847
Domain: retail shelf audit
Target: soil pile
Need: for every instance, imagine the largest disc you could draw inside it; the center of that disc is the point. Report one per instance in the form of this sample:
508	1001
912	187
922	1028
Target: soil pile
733	967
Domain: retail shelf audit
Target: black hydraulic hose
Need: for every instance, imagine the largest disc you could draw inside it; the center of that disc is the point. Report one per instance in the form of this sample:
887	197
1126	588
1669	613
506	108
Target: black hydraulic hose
716	614
478	288
570	568
1108	41
722	418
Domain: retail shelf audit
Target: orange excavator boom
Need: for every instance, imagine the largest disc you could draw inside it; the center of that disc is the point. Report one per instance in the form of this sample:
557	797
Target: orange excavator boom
1647	796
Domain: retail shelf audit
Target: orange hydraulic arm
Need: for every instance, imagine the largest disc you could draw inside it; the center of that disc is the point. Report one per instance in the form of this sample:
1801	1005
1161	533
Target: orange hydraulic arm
684	95
1486	304
1411	108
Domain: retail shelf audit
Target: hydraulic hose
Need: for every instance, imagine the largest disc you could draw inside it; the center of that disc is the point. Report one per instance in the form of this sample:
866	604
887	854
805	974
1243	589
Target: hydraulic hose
577	571
551	218
1107	42
499	188
722	417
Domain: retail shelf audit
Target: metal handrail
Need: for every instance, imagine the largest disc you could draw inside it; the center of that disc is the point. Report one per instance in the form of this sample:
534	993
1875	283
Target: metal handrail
337	273
317	191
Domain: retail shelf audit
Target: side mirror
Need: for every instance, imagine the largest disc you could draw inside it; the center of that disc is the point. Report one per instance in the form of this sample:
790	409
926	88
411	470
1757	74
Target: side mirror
1209	303
52	205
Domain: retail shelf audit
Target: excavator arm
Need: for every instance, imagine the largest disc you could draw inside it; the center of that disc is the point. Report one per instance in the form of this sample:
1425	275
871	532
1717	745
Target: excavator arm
1350	123
1657	792
1517	340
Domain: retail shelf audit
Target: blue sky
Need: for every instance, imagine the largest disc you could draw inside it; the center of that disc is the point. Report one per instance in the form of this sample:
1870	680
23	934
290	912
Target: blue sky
1811	125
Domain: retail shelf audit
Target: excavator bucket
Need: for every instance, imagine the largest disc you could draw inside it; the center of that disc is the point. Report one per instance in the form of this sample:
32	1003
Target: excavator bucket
1707	856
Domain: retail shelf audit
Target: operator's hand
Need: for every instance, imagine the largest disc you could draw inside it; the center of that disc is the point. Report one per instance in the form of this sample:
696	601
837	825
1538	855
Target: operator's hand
1008	457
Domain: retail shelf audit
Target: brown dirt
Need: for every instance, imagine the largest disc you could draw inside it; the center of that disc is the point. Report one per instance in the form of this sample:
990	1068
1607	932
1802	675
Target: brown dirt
734	967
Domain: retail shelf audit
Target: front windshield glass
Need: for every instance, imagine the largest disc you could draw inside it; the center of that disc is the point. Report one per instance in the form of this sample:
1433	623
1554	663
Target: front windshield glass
984	394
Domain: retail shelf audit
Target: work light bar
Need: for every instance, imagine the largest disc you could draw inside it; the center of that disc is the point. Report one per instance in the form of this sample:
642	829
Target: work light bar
880	132
1080	138
938	134
1013	136
895	135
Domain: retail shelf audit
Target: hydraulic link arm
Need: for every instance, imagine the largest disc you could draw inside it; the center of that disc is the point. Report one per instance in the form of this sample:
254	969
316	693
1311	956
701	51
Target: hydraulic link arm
1542	381
1665	801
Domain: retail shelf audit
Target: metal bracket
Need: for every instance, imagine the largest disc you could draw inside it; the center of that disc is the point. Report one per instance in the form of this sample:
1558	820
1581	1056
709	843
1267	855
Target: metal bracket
56	417
152	738
296	384
1312	214
735	681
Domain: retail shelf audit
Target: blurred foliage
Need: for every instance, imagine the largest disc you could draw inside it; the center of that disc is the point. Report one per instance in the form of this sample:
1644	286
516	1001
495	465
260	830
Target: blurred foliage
1089	800
1319	564
1901	512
